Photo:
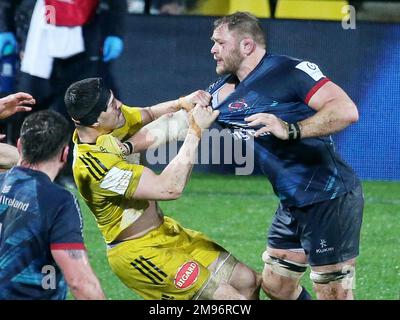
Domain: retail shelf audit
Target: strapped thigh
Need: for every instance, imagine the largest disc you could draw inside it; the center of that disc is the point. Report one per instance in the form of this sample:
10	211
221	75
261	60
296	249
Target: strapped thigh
222	272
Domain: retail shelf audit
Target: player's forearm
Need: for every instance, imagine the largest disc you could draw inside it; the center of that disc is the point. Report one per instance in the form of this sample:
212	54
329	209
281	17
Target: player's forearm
78	274
333	117
167	128
8	156
177	173
165	107
87	288
152	113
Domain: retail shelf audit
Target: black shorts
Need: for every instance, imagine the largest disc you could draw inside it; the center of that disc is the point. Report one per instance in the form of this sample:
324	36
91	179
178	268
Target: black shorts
328	231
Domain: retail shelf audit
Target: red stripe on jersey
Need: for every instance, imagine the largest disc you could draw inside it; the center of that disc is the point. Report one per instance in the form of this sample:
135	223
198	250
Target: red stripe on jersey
67	246
315	89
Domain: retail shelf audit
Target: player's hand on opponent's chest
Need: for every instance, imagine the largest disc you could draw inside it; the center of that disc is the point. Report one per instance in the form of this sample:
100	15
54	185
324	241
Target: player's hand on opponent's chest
201	118
270	123
198	98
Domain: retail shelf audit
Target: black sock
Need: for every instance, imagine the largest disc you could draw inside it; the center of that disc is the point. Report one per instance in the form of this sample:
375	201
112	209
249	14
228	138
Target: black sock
304	295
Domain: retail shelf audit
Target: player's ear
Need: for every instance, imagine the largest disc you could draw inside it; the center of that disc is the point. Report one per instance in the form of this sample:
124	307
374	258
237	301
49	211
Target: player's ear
247	46
19	147
64	154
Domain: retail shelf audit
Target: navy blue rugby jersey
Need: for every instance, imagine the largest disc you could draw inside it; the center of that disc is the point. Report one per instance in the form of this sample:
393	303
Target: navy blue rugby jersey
36	216
301	172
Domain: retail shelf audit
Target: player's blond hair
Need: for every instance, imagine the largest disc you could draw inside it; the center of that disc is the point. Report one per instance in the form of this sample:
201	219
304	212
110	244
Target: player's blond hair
244	24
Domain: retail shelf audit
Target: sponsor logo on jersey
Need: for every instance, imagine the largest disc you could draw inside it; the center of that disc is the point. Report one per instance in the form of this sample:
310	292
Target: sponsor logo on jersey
238	106
117	180
311	69
274	103
12	202
187	275
246	134
6	189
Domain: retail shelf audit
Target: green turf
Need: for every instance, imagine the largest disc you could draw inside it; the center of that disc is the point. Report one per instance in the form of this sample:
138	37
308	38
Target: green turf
236	212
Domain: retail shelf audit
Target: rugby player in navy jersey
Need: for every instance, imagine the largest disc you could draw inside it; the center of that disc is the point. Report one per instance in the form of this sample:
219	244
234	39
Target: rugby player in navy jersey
291	109
41	241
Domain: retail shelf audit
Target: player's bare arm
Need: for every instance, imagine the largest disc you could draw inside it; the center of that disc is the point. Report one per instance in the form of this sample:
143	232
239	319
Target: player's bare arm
171	121
78	274
335	112
187	103
8	156
171	182
13	103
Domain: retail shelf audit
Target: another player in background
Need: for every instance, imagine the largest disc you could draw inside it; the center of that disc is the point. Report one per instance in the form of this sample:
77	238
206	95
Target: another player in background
9	105
60	42
291	109
41	241
151	254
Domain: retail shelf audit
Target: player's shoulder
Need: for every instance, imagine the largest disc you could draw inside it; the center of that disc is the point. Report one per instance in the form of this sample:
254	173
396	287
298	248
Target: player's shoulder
54	192
290	67
214	86
53	198
283	61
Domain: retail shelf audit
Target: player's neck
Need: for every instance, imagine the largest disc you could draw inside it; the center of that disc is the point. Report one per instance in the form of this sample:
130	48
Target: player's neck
50	168
249	63
87	135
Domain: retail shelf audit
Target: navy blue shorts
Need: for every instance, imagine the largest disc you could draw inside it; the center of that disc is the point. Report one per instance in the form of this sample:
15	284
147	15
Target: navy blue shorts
328	231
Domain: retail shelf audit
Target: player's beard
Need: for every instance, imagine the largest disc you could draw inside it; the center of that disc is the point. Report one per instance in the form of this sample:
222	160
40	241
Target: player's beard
231	63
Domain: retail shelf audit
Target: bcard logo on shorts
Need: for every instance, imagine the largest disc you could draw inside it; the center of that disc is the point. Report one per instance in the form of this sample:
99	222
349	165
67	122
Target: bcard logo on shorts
187	275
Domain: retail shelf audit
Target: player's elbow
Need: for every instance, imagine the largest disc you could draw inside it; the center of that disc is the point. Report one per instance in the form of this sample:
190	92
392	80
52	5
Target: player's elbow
173	193
86	289
352	115
347	113
9	156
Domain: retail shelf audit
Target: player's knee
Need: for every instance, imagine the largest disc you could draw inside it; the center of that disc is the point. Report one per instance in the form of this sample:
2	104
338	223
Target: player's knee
334	284
281	277
246	281
278	287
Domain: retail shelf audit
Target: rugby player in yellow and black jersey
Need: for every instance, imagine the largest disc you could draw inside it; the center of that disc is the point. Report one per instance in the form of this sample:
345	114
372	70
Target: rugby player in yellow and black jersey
151	253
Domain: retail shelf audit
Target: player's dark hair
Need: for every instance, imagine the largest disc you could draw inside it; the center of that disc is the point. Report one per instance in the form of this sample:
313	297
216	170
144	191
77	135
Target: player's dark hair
245	24
43	135
86	99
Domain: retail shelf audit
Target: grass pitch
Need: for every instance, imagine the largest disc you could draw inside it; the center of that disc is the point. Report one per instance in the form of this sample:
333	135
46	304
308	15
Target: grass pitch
236	212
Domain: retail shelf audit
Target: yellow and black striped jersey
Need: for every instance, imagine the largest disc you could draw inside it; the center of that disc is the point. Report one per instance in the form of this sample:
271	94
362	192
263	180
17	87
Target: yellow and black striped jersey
104	177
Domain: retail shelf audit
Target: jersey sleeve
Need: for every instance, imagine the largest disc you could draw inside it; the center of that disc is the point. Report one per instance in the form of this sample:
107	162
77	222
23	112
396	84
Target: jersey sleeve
123	179
66	230
306	79
133	123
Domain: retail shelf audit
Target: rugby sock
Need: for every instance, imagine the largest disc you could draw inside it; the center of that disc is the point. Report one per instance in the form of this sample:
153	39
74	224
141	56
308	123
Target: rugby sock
304	295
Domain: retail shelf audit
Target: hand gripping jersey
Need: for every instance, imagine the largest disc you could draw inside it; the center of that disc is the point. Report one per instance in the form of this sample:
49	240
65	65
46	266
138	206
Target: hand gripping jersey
36	216
301	172
103	178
